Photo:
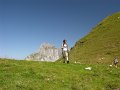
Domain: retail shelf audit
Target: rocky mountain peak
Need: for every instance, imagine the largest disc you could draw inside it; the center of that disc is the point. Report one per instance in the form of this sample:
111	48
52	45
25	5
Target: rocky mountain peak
46	45
46	52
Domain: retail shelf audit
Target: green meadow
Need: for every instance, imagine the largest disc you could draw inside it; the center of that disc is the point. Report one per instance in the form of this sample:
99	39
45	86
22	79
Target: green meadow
34	75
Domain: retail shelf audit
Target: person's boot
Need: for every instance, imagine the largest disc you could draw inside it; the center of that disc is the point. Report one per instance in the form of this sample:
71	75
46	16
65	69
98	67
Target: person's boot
67	61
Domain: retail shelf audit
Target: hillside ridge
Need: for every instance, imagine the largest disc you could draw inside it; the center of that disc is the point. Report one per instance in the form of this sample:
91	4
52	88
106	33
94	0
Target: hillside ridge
101	45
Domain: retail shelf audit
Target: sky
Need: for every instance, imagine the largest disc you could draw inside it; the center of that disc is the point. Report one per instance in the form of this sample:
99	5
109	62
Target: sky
26	24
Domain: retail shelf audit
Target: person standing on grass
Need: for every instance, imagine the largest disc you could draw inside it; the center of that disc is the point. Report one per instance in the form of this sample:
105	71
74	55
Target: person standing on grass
65	51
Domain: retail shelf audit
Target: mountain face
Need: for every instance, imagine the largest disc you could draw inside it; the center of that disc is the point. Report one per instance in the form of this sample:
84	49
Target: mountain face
46	52
101	45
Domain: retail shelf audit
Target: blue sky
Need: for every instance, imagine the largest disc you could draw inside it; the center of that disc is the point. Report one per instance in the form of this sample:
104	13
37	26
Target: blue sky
25	24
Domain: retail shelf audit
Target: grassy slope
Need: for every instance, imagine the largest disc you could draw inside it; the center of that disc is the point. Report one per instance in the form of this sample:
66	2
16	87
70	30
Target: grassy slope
29	75
101	45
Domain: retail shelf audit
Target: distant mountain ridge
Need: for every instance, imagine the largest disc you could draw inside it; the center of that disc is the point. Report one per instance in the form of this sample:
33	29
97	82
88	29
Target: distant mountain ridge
46	52
101	45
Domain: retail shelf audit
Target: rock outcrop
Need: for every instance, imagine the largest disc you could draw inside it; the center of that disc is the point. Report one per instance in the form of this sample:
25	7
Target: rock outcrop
46	52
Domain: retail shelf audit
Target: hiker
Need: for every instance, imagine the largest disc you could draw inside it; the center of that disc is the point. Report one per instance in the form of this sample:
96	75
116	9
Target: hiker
65	51
115	62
